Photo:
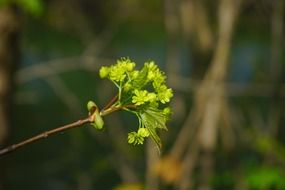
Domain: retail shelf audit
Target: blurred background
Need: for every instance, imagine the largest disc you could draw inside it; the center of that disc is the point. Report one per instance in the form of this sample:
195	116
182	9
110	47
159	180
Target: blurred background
224	60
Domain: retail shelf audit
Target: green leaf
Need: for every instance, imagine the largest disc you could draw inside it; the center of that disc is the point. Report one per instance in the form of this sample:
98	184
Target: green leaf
153	135
151	123
156	117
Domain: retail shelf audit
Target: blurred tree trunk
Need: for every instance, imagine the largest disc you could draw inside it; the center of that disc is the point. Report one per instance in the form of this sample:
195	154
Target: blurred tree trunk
277	44
210	97
9	30
198	34
9	51
275	69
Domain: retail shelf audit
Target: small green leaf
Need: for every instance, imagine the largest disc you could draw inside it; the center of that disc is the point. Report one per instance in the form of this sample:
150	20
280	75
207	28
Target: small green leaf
156	117
98	121
91	106
154	136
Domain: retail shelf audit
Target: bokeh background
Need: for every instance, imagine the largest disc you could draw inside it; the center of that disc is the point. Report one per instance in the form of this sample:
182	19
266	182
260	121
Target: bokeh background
224	60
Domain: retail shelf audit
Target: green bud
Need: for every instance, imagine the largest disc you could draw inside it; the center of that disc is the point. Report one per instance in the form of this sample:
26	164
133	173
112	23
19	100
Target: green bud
91	105
166	111
127	87
131	137
98	122
143	132
151	97
135	138
104	71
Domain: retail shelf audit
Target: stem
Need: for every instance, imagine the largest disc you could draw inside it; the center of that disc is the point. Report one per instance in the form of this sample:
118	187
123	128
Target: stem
112	101
120	91
45	134
75	124
113	109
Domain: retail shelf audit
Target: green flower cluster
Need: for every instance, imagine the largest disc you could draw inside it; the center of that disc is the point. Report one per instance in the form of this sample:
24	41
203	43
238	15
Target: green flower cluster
138	137
126	79
117	72
142	92
142	96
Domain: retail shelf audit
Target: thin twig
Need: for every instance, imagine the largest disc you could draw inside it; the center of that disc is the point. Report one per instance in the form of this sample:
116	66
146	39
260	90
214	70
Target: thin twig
45	134
113	109
112	101
91	118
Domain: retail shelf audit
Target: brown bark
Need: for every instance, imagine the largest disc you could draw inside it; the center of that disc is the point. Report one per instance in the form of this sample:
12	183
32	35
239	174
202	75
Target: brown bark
198	34
9	30
202	123
211	95
277	44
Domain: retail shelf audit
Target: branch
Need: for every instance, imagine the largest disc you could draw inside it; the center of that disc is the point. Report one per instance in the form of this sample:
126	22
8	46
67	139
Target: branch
45	134
91	118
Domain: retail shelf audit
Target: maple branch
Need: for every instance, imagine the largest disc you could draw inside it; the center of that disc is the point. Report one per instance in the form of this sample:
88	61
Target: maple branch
75	124
44	135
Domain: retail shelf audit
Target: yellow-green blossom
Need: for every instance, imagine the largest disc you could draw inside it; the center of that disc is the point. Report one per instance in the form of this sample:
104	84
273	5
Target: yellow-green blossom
134	138
126	64
134	74
104	72
140	97
154	74
130	66
151	97
151	75
117	73
151	65
166	111
143	132
158	80
164	94
127	86
141	92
